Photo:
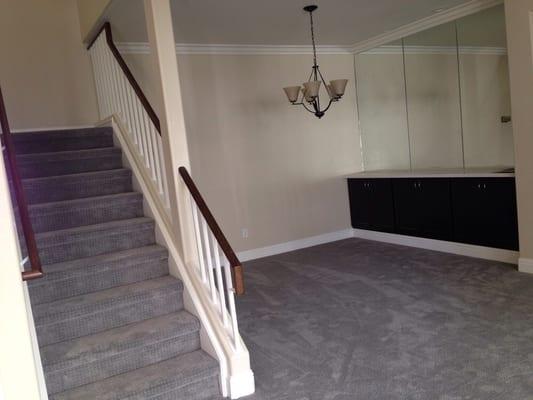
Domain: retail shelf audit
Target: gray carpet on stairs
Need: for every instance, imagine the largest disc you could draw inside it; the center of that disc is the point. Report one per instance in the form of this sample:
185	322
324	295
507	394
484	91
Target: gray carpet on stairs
109	317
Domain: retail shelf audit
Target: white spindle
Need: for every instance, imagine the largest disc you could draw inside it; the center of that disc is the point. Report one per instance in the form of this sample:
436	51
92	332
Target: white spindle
231	301
220	283
209	261
201	263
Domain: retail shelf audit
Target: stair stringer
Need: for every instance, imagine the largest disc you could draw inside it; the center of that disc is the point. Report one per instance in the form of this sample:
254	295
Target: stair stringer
236	376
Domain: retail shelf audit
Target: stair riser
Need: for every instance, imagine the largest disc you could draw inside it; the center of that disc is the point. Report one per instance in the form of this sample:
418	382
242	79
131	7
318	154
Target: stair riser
121	313
70	187
135	358
57	249
64	216
100	280
206	389
64	167
47	144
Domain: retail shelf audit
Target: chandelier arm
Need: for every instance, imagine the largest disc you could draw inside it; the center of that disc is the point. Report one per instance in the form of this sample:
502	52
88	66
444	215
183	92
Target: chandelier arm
304	106
329	105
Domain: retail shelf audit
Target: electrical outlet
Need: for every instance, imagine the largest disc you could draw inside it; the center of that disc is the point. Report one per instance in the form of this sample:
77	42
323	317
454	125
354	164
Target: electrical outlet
244	232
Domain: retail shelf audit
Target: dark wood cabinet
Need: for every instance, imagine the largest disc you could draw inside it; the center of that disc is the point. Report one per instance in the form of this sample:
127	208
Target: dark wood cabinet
423	207
371	204
485	212
479	211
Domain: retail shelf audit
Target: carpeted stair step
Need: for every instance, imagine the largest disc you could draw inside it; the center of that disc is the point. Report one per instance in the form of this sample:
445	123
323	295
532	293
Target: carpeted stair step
69	162
191	376
91	274
87	211
76	186
63	140
96	357
92	240
107	309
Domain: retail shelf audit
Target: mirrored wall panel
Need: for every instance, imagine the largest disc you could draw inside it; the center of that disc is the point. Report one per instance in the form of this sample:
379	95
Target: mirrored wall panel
485	96
382	108
433	100
439	98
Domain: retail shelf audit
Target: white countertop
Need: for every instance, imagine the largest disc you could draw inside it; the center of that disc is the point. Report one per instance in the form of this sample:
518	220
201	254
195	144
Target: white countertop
492	172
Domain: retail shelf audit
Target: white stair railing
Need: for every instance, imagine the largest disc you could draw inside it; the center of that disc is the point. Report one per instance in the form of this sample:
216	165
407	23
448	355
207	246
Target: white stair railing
218	267
120	95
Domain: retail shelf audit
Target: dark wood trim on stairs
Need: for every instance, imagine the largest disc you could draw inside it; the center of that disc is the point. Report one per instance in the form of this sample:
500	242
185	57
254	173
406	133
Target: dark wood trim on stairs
27	228
236	266
125	69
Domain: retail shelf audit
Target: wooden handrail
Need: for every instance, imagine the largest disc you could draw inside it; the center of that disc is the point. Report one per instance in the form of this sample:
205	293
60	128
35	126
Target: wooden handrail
29	236
236	266
125	69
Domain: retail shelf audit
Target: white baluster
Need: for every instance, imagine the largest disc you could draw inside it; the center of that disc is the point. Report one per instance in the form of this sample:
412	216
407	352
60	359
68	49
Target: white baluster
201	263
130	97
98	52
163	170
159	165
218	269
231	301
209	262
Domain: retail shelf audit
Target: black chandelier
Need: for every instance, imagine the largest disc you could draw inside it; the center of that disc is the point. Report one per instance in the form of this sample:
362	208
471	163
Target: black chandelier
310	92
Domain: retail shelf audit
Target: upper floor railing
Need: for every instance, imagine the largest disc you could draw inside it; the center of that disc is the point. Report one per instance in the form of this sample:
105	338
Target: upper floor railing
36	269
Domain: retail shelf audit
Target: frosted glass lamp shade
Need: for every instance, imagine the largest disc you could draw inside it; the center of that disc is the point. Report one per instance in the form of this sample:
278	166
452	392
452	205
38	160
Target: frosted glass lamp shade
292	93
332	94
312	88
306	97
339	86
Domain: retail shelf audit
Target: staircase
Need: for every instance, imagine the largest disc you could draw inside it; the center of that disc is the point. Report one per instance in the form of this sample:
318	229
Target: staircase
109	318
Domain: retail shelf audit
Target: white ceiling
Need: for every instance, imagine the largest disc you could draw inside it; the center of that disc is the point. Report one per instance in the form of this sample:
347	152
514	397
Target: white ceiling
274	22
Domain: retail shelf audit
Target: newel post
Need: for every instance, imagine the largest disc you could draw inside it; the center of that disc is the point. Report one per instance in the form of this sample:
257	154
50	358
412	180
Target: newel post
173	132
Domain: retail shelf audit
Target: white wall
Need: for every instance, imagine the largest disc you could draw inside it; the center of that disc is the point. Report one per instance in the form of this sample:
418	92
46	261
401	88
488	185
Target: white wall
261	163
45	71
519	18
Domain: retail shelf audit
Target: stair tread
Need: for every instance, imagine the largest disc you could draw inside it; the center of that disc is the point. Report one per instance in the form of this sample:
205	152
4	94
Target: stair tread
89	303
62	133
148	382
71	232
82	175
86	201
68	155
83	266
92	348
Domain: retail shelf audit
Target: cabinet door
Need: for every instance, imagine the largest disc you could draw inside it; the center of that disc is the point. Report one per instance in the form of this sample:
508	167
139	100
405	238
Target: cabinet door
371	204
485	212
423	207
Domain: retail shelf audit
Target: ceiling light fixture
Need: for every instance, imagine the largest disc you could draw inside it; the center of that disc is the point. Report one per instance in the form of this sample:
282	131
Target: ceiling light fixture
310	92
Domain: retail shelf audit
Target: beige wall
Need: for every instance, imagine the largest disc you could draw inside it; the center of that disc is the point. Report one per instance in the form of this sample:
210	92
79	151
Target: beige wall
519	41
89	13
45	72
262	164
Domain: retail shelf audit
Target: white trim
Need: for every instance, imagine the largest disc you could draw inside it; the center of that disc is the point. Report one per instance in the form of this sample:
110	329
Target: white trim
52	128
294	245
234	49
525	265
476	50
431	21
448	15
487	253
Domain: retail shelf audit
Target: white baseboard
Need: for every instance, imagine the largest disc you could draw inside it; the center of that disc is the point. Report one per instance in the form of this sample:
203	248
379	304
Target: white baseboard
294	245
525	265
487	253
52	128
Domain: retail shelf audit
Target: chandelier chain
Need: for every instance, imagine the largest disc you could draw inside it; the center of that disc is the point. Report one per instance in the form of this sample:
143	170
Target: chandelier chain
313	40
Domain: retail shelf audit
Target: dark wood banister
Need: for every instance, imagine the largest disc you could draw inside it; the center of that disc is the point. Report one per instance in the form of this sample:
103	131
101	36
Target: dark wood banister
236	266
131	79
27	228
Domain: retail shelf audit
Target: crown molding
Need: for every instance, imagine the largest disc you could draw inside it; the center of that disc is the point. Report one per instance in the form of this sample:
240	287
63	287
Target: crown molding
448	15
473	50
234	49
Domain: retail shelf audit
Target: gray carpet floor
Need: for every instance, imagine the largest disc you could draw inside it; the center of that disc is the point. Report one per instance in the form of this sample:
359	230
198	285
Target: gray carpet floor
358	319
